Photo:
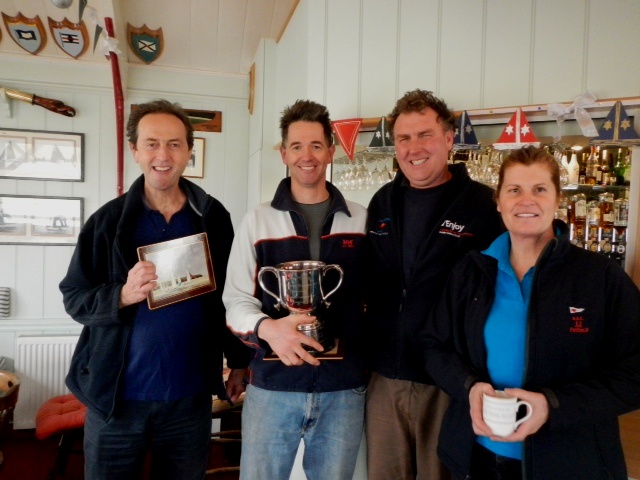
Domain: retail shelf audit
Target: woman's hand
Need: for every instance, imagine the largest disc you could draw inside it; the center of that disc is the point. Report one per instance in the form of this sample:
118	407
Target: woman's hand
538	418
475	403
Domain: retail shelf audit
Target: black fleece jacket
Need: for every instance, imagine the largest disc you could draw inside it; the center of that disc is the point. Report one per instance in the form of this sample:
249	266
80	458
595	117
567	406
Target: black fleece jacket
397	307
582	353
91	293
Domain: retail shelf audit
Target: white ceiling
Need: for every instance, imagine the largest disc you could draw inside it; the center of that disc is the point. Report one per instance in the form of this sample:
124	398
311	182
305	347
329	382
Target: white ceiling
212	35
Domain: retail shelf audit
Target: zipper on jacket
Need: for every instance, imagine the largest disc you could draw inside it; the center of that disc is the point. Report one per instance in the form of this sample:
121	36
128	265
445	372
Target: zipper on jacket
402	299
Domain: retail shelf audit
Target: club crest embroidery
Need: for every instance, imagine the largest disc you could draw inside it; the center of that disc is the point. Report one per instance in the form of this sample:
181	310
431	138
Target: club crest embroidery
382	227
28	33
578	322
72	38
145	43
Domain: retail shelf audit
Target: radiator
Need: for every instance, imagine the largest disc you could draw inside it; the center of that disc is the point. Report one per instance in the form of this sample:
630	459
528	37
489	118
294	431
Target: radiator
41	363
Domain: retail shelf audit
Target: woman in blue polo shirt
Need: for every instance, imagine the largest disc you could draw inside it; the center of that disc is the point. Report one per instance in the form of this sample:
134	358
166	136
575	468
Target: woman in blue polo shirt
547	322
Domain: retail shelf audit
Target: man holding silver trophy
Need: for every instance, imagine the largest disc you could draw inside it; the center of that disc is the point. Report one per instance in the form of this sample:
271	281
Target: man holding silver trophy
294	294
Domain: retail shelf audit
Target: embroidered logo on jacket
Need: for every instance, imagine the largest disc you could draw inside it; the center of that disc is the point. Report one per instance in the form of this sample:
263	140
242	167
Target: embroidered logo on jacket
578	323
348	243
454	229
381	227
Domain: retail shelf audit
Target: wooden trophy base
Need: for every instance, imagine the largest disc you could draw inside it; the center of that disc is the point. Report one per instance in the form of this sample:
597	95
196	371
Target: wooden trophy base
336	353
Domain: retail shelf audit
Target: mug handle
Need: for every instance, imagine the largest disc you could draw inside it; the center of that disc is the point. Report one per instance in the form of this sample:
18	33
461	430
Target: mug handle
527	416
325	269
273	270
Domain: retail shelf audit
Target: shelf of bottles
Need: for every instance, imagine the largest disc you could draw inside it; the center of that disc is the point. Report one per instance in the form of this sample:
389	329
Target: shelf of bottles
595	203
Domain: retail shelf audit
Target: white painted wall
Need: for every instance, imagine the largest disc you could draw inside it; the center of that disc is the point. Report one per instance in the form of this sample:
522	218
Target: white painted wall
33	272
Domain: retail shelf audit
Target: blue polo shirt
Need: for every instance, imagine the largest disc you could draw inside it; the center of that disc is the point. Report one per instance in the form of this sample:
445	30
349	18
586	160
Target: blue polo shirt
505	333
166	351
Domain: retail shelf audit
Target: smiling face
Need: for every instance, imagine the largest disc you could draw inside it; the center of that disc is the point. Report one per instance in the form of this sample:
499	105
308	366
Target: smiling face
527	201
307	155
422	148
161	151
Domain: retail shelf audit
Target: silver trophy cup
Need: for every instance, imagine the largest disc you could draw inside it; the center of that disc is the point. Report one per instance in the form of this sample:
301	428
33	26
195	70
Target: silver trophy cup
300	291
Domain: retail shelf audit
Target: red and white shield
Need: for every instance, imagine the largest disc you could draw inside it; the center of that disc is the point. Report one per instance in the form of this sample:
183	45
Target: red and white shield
72	38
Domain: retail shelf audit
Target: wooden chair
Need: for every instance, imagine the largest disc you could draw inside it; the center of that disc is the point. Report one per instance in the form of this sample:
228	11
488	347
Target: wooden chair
9	388
226	444
62	415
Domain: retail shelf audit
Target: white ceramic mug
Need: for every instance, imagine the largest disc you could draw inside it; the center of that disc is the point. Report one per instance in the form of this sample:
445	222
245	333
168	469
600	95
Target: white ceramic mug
500	413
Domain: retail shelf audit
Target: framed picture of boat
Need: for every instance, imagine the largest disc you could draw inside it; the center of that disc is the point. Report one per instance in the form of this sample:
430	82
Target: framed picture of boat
183	267
41	155
40	220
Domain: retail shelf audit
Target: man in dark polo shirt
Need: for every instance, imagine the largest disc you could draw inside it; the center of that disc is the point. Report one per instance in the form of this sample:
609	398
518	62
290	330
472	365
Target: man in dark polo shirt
147	376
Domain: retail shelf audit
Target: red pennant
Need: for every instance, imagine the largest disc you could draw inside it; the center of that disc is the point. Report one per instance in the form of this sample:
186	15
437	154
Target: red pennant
517	133
347	133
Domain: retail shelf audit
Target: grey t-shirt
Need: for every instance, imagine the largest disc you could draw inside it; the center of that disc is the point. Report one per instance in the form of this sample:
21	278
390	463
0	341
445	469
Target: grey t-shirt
314	216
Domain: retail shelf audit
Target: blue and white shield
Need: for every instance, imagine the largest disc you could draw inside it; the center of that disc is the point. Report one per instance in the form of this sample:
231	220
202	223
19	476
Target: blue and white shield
28	33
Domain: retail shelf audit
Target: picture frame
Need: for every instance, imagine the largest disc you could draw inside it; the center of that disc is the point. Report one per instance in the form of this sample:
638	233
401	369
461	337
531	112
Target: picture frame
195	167
183	267
40	220
41	155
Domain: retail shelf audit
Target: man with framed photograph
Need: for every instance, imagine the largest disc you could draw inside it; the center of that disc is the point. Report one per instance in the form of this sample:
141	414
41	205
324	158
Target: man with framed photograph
147	376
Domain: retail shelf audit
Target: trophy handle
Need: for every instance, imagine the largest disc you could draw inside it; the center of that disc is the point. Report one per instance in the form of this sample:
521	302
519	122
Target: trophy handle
273	270
324	271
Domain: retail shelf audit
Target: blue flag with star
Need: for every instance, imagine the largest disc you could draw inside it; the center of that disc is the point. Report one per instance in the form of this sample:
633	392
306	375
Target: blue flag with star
382	136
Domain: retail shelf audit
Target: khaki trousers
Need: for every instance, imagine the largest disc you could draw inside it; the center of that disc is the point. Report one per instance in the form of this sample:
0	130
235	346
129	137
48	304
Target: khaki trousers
402	425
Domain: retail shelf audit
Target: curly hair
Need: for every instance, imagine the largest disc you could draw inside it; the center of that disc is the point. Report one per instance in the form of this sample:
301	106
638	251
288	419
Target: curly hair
306	111
158	106
416	101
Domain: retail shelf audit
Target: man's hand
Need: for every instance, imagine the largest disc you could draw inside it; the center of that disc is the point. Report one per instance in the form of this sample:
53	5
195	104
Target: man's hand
286	342
236	383
141	279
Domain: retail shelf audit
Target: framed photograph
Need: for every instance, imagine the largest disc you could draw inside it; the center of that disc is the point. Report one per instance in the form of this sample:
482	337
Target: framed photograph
195	167
38	155
40	220
205	120
183	267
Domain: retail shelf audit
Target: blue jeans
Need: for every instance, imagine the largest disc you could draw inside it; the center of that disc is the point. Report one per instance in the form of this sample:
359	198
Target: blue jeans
329	423
177	433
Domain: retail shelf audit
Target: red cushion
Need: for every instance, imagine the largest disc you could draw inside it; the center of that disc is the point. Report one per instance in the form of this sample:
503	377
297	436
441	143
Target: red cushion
64	412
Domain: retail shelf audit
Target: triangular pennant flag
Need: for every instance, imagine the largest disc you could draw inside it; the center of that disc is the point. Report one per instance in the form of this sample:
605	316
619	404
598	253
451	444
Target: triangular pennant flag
617	127
465	137
382	136
517	133
347	133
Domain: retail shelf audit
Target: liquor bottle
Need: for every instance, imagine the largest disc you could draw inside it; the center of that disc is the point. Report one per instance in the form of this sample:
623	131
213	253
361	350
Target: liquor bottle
620	221
593	226
591	171
574	169
598	167
619	168
606	170
627	168
579	221
563	210
621	212
582	176
605	237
